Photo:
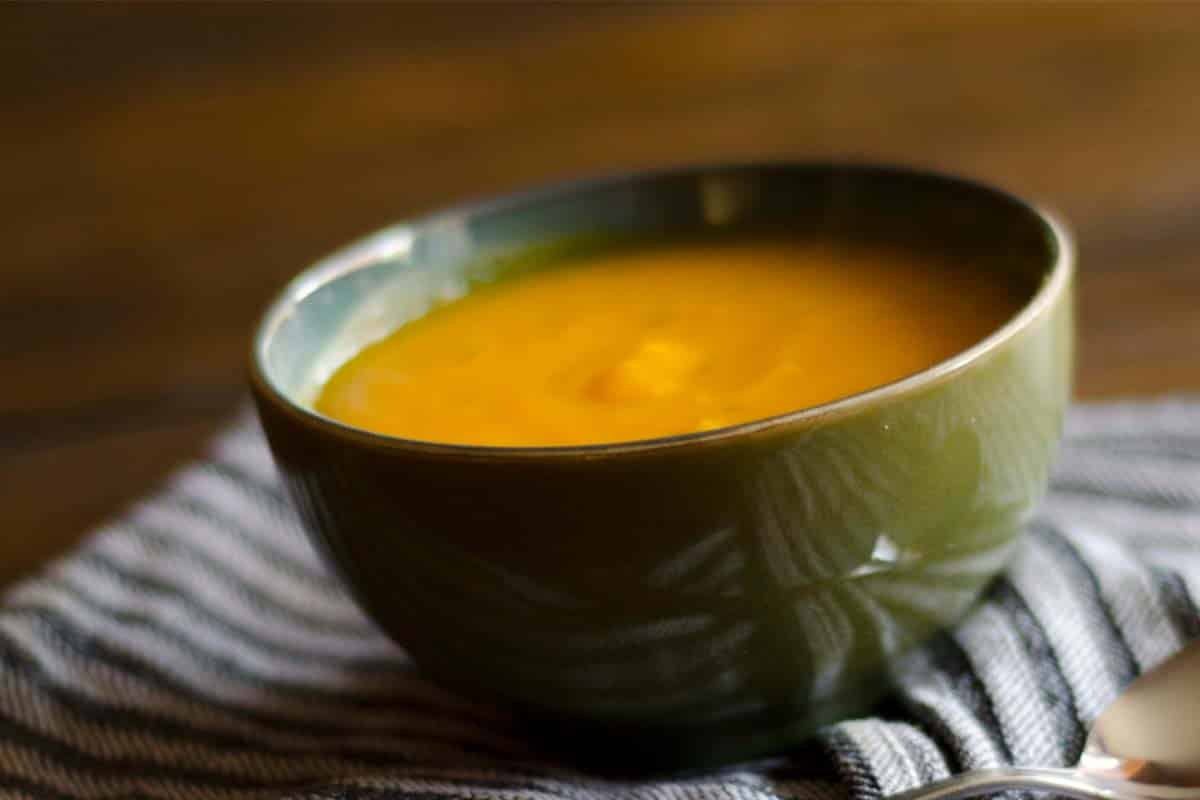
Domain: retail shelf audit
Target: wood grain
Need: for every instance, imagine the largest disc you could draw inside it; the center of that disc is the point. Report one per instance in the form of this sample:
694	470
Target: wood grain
167	168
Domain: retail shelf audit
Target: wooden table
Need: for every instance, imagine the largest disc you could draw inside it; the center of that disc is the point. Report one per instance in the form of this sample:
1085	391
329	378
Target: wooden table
166	168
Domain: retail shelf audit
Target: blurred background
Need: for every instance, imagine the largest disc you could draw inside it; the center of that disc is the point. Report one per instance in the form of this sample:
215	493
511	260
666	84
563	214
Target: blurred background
166	168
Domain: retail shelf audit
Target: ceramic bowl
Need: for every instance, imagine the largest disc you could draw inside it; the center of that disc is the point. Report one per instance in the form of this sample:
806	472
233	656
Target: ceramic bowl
699	599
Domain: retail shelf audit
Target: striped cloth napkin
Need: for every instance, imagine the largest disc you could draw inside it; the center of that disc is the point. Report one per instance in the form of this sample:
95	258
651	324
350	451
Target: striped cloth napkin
196	648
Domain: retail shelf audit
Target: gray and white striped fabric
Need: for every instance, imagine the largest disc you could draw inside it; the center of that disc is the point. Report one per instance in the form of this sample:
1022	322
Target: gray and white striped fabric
196	648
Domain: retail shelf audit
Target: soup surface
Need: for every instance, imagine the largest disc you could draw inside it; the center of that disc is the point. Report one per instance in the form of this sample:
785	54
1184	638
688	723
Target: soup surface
666	339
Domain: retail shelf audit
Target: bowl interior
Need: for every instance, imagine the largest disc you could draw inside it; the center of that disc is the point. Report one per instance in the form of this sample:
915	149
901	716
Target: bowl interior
366	291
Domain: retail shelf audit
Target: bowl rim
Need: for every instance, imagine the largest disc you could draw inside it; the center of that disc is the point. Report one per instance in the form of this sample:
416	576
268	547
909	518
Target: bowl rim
392	240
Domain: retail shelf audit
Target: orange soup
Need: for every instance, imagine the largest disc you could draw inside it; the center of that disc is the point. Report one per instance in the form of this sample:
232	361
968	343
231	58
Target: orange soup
662	340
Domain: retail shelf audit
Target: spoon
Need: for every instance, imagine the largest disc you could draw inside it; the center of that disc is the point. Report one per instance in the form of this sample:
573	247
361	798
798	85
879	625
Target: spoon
1144	746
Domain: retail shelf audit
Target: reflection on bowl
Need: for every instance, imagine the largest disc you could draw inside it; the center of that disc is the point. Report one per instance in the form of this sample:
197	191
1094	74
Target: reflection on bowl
698	599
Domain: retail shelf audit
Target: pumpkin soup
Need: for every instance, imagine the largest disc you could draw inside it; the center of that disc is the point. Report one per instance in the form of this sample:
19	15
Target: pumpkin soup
669	339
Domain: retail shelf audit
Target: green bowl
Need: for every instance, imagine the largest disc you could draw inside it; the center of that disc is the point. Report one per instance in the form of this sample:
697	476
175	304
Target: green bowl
700	599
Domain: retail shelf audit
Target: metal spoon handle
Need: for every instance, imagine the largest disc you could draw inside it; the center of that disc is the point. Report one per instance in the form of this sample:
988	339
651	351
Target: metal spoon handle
1067	782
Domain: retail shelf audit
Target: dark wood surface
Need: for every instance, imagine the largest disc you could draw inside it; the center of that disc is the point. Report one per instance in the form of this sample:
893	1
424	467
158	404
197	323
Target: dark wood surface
166	168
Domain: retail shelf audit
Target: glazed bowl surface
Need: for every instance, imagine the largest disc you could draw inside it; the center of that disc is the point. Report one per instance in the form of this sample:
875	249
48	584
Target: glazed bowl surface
698	599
